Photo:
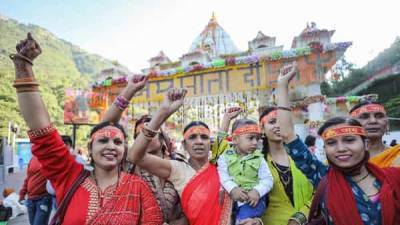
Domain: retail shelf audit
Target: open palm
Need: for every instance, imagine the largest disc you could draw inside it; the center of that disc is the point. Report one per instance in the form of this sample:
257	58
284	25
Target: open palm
173	100
287	73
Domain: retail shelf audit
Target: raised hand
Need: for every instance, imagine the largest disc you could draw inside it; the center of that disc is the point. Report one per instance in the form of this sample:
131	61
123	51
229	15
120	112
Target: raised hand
232	112
137	82
173	100
27	51
28	48
287	73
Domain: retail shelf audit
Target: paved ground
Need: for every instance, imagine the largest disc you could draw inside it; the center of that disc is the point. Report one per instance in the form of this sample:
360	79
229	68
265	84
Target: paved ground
15	180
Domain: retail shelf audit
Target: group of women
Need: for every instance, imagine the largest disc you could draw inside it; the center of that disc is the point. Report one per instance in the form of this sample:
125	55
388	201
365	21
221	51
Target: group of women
162	189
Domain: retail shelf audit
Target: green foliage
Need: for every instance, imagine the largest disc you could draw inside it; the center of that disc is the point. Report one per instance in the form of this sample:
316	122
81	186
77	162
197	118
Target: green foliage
393	107
345	83
61	65
388	57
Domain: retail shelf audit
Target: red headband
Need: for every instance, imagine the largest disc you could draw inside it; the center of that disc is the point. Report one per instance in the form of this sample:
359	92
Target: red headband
368	108
247	129
196	130
108	131
343	130
266	118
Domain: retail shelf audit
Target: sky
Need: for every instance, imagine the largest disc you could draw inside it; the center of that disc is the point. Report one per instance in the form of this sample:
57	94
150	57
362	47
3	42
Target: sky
133	31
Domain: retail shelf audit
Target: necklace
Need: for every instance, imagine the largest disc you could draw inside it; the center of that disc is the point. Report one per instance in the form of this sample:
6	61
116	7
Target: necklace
284	175
363	178
279	170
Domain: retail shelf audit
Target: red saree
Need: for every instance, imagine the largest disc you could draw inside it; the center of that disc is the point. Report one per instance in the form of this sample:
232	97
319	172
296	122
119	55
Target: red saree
132	202
200	199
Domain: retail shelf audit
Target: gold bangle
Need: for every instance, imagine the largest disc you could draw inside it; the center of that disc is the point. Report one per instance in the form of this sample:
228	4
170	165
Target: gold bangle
28	84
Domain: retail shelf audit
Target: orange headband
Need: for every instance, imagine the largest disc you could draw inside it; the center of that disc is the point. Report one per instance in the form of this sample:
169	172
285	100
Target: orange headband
196	130
368	108
247	129
266	118
343	130
108	131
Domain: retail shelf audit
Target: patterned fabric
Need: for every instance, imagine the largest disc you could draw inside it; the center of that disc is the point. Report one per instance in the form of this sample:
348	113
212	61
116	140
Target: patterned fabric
129	202
170	206
314	170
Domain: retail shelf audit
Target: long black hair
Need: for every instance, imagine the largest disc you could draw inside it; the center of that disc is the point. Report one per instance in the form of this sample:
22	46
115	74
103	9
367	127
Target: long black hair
263	112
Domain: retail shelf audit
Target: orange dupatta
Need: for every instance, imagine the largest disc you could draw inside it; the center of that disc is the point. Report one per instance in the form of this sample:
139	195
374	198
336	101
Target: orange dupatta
200	199
387	158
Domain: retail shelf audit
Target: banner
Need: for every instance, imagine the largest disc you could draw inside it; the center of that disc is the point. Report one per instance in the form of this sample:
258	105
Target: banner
84	107
88	107
230	79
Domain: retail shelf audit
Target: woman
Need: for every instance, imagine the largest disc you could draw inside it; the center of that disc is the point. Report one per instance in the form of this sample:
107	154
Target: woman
354	191
107	196
290	197
373	117
164	191
197	181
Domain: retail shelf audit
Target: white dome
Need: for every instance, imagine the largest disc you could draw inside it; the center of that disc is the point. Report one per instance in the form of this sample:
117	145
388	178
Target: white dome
214	40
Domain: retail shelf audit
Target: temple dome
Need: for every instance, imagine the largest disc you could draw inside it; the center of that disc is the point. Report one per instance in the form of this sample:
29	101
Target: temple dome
214	40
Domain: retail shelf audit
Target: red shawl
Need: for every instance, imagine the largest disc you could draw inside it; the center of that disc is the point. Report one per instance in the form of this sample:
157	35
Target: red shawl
200	199
342	205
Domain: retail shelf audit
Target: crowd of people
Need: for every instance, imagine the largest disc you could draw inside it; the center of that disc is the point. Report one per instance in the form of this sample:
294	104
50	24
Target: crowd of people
259	172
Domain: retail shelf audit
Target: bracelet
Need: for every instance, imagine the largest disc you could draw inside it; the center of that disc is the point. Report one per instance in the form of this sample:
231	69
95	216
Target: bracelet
148	133
259	220
26	59
41	131
121	102
284	108
299	217
26	85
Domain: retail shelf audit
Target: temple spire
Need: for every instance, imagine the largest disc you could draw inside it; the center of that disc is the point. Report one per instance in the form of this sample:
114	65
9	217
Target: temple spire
213	17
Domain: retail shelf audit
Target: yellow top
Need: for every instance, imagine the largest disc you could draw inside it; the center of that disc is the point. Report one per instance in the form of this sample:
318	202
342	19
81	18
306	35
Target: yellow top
280	209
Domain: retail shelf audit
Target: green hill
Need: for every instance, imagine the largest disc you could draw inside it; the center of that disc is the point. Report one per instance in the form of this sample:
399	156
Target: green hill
359	81
60	66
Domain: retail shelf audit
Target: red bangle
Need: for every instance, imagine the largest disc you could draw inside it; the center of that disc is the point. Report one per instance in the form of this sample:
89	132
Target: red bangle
41	131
